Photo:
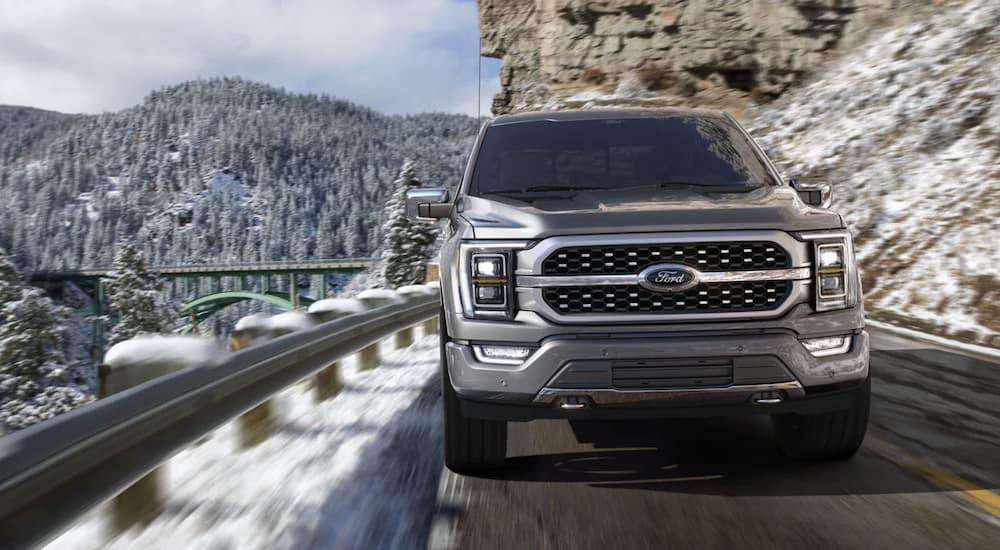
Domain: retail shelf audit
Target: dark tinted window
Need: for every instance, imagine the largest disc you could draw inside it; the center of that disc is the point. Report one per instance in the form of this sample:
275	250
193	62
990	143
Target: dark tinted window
618	153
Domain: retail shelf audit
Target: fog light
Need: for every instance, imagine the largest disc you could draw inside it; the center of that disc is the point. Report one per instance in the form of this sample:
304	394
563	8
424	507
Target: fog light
490	295
831	285
501	355
830	345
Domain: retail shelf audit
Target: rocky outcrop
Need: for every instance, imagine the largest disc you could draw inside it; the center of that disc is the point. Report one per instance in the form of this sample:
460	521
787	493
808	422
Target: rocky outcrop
663	51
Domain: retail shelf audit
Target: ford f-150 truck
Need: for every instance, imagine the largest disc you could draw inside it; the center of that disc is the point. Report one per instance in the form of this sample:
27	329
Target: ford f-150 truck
624	264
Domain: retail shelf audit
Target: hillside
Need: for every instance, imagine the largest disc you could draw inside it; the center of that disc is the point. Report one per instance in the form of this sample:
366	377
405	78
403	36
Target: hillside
907	129
665	52
903	121
219	170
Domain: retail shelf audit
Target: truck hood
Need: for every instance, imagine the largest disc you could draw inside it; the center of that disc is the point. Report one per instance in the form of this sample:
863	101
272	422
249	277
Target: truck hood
639	211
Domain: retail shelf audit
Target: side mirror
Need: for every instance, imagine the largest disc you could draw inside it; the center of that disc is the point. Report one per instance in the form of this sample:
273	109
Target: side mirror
818	193
427	205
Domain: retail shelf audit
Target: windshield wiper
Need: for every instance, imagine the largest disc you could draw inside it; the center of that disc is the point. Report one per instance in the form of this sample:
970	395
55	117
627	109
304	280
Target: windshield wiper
542	189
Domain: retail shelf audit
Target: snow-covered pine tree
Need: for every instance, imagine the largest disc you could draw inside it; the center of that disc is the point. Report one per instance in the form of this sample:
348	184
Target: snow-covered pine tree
33	372
407	243
10	279
134	297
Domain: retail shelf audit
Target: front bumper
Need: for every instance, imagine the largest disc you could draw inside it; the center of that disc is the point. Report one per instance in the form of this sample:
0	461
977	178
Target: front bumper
570	374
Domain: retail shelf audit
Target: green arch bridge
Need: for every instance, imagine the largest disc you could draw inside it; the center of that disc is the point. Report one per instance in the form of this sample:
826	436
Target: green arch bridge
202	285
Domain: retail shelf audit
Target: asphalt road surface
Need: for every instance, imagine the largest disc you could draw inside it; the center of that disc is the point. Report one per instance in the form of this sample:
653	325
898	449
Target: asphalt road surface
927	476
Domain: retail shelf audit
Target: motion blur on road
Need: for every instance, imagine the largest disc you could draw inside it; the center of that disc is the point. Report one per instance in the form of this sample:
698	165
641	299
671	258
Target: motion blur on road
926	476
365	471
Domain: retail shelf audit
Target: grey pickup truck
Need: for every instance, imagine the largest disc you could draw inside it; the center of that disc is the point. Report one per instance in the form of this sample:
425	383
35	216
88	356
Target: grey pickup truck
626	264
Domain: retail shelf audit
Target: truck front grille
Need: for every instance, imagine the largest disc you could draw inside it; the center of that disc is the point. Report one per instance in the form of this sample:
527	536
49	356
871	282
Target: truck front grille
704	298
708	256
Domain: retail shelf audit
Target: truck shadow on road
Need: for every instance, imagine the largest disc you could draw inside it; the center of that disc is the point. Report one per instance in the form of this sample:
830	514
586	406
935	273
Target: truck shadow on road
933	406
730	456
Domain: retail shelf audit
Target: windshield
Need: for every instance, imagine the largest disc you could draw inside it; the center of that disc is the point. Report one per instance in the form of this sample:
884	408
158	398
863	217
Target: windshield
691	153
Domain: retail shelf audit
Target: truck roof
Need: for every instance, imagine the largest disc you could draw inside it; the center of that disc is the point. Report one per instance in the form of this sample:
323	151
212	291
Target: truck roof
603	114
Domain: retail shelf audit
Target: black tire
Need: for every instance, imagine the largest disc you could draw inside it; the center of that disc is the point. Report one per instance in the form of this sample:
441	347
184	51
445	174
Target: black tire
834	435
471	445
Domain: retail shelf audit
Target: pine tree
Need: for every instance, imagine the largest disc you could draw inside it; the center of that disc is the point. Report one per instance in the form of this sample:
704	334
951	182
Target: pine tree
10	279
33	372
407	243
134	297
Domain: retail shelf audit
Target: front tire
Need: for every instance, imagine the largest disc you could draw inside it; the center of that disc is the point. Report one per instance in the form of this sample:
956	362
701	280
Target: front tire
826	436
471	445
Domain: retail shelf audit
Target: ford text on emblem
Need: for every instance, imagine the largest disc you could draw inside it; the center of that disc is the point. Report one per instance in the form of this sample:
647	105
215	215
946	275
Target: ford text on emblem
668	278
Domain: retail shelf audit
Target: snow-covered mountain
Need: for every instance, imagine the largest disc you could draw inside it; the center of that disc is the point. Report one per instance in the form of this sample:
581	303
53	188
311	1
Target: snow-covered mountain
219	170
907	129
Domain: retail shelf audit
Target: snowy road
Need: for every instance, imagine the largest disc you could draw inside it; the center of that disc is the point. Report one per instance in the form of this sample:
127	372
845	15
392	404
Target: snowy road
358	471
928	476
363	471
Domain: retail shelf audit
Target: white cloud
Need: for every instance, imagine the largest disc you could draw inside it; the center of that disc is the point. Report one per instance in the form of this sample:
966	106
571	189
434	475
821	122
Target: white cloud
95	55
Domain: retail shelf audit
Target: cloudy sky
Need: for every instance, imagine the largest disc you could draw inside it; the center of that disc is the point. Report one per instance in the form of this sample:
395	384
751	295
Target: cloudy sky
399	56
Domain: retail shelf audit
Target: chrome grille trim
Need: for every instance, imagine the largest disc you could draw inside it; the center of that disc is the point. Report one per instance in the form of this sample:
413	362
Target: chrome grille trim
540	281
531	260
532	299
530	284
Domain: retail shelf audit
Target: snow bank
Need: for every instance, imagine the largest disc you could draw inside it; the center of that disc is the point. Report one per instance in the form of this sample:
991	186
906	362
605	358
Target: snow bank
358	471
337	305
181	351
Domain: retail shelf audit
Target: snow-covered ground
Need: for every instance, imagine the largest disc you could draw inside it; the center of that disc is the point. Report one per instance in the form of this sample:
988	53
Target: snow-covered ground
357	471
907	129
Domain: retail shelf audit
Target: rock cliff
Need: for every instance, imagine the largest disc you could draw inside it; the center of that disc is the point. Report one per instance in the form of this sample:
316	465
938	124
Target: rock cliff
664	51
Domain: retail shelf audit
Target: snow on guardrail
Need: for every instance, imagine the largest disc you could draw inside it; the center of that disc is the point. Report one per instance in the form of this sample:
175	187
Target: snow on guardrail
164	350
379	294
291	321
337	305
415	290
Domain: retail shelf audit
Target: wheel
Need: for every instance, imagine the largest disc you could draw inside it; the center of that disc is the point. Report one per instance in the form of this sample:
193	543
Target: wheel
826	436
471	445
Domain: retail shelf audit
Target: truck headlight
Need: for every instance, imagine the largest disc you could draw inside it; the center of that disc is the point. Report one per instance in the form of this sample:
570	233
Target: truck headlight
487	280
837	282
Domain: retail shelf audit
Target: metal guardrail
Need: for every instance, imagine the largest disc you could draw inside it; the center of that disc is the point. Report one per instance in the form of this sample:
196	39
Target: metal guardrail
233	269
53	472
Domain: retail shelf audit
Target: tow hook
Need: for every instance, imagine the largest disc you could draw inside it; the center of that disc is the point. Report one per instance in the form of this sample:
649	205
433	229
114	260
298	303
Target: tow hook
768	397
574	402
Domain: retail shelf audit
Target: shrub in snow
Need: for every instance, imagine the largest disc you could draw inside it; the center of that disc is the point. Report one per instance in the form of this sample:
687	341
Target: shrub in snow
407	243
34	378
134	296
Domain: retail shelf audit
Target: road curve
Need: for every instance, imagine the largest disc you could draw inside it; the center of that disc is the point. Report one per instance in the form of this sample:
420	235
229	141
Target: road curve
927	476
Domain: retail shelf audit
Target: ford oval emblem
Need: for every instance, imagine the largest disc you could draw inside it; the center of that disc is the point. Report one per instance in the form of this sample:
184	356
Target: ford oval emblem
668	278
